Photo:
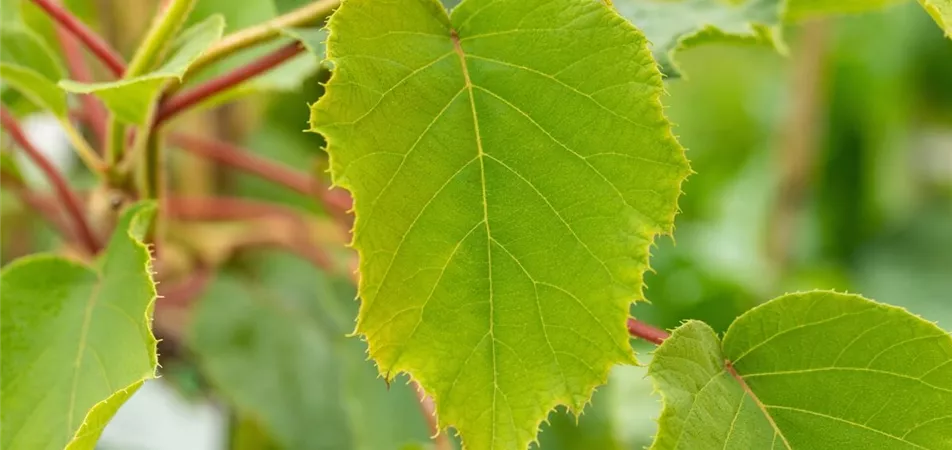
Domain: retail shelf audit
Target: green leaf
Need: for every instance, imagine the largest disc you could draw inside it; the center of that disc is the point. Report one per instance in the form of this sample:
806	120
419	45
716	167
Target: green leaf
25	48
506	197
676	25
817	371
36	88
273	342
76	340
941	11
132	99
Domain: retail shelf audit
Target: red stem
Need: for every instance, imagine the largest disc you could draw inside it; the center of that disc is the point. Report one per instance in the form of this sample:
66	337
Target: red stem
195	95
336	202
234	209
647	332
182	292
69	198
224	209
109	57
239	158
94	113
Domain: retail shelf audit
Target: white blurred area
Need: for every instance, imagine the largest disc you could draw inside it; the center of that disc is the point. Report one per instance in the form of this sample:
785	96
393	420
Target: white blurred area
158	418
46	134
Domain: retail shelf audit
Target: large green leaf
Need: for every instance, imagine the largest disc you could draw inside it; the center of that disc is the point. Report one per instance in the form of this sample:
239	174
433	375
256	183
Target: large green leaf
76	340
814	371
675	25
273	341
510	165
941	11
36	88
132	99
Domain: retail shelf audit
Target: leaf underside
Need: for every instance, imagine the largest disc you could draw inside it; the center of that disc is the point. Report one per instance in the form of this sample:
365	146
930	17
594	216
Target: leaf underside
672	26
76	340
817	371
510	165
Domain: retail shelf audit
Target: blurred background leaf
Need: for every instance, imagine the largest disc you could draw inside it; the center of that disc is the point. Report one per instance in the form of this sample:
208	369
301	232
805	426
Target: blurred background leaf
271	337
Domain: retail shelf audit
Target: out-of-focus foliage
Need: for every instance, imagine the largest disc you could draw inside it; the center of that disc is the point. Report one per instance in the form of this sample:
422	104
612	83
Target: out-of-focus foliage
272	336
671	26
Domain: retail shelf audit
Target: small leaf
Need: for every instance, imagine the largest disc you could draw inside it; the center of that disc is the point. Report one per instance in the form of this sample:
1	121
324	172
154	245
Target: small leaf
36	88
506	197
132	99
818	371
76	340
941	11
672	26
274	343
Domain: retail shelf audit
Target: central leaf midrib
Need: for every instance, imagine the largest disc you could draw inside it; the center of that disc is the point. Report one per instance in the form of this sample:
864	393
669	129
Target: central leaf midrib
80	352
454	36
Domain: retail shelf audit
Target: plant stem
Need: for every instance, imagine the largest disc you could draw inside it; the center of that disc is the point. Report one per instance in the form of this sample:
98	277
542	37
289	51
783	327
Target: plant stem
183	292
109	57
336	202
797	153
159	37
70	200
85	152
646	332
157	40
248	37
232	155
93	111
197	94
150	168
298	241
